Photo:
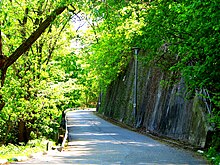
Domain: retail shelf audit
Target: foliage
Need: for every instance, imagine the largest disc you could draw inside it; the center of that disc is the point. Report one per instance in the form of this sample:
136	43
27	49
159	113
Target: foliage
10	151
180	37
213	155
33	90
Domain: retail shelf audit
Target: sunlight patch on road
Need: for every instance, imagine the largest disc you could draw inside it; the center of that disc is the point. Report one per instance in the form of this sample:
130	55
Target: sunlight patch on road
96	134
137	143
79	125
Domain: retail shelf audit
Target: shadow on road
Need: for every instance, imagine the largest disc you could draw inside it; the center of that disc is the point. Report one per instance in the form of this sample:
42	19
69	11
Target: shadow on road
95	141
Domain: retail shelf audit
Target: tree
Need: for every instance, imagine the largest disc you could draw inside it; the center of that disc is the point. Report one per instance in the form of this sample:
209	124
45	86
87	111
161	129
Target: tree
39	27
179	37
29	58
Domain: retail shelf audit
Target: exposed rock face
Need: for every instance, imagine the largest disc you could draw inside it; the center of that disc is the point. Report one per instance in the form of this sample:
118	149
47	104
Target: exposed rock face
162	111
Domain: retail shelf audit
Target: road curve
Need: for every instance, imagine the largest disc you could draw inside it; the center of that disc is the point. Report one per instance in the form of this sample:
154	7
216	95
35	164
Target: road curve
95	141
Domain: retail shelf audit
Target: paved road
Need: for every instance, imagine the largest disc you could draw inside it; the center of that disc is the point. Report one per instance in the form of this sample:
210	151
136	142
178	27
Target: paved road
95	141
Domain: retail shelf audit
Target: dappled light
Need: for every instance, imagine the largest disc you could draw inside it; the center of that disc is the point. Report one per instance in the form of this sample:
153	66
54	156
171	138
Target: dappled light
149	64
93	139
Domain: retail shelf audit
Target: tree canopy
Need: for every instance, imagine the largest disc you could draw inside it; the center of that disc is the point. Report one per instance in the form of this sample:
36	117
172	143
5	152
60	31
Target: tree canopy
33	37
180	37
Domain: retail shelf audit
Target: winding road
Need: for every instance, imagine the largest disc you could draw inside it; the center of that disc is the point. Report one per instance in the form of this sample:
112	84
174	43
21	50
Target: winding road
95	141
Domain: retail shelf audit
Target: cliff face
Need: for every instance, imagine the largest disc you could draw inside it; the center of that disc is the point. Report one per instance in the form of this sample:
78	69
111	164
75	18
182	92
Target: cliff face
161	111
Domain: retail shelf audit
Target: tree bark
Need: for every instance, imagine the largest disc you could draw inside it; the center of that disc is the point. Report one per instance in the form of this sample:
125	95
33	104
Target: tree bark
21	131
1	53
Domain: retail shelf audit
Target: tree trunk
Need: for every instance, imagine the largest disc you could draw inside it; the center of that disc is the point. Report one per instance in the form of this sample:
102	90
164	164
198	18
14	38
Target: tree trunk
1	52
21	131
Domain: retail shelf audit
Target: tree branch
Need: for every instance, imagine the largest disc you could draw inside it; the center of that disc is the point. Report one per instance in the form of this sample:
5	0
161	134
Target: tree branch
34	36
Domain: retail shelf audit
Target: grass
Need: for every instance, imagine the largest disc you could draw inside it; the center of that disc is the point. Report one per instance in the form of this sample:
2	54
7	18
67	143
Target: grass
33	146
213	155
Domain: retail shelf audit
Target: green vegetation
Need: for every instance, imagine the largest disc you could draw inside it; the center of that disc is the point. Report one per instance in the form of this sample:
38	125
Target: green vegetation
33	146
40	73
179	37
41	76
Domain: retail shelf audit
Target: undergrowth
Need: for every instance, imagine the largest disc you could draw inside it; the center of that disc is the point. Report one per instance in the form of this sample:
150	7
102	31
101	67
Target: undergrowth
33	146
213	155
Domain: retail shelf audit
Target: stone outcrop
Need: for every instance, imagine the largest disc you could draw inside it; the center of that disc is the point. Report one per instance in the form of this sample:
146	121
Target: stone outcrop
161	110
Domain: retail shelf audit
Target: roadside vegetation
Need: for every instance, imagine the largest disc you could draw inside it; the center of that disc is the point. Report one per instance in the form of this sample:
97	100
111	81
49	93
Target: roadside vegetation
11	152
41	75
178	37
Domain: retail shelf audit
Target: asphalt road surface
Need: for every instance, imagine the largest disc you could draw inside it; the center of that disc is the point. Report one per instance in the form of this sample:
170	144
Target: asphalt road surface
95	141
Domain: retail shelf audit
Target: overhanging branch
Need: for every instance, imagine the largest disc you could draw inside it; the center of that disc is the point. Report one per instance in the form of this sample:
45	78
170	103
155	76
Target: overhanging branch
34	36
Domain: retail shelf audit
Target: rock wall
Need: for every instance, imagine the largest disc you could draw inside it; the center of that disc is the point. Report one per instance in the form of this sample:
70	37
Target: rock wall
161	111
